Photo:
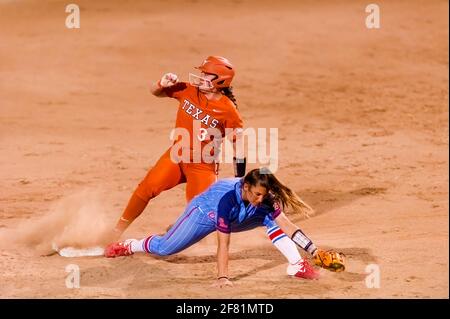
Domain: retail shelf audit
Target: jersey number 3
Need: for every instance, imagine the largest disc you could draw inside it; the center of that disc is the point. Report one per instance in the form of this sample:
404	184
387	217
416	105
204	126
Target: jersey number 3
203	133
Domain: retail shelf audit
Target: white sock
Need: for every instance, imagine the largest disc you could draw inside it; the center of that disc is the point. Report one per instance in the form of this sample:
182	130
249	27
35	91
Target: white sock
288	249
285	245
137	245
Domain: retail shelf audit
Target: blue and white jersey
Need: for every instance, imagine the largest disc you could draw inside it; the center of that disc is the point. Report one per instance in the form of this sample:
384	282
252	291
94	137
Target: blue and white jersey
219	208
223	202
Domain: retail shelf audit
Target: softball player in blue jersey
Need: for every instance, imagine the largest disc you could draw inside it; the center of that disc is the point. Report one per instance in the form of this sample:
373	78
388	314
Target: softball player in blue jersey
227	206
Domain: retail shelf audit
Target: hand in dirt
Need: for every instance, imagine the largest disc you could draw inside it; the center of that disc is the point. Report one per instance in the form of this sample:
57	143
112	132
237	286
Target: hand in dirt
222	283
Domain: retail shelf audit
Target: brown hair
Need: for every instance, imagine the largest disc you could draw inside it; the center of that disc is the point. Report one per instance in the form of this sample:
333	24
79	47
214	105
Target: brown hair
228	92
281	193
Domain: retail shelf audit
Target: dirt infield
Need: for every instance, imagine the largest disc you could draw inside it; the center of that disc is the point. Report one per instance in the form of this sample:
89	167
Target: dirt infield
363	125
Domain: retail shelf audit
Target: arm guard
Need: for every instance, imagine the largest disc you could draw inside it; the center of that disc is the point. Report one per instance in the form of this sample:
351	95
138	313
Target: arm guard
239	166
303	241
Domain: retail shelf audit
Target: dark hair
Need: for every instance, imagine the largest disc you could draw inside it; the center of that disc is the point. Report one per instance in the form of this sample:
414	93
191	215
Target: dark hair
228	92
281	193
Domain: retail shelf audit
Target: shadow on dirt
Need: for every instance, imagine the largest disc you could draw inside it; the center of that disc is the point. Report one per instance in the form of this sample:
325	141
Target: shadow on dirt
323	201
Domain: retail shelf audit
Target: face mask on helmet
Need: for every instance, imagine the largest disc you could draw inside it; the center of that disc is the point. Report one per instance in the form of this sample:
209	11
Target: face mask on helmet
200	82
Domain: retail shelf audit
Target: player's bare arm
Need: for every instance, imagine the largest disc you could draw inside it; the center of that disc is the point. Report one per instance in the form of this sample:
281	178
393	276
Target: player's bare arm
330	260
290	229
223	247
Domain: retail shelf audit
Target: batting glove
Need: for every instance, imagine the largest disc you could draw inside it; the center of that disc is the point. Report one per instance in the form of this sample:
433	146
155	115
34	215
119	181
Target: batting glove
168	79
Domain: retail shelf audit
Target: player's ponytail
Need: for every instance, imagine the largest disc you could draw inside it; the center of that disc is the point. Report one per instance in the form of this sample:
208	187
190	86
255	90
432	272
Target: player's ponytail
228	92
283	194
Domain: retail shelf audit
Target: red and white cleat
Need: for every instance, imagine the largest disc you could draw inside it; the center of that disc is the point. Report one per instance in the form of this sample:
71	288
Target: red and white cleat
302	269
119	249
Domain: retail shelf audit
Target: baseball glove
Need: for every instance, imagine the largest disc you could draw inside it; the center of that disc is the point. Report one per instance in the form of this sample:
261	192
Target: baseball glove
330	260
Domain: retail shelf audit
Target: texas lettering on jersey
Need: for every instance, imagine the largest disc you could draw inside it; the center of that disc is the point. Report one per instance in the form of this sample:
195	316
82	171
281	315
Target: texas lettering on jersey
198	114
200	126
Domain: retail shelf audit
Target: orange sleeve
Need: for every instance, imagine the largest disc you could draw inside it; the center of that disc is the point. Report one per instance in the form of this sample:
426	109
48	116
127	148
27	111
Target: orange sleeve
233	119
176	90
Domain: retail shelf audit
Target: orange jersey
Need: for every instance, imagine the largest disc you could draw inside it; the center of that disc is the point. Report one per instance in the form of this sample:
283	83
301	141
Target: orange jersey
208	114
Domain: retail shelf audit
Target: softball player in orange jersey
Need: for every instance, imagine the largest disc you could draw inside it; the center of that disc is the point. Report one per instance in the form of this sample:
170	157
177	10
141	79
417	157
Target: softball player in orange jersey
207	100
211	103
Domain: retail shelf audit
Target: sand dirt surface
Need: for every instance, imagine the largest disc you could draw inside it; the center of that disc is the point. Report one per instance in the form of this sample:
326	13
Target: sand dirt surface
363	138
